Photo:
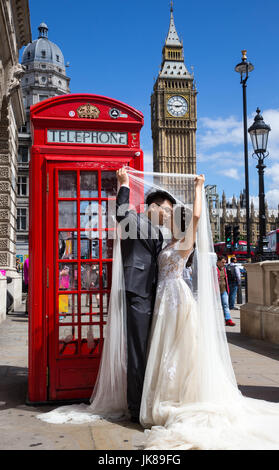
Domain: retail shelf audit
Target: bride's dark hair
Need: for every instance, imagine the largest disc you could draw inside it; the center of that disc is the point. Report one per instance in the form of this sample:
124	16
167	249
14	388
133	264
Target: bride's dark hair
182	216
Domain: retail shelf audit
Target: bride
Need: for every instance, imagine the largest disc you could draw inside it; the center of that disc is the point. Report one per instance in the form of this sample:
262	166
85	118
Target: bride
170	376
190	396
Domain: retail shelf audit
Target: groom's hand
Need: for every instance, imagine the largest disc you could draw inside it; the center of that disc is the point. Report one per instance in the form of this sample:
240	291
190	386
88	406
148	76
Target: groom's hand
122	177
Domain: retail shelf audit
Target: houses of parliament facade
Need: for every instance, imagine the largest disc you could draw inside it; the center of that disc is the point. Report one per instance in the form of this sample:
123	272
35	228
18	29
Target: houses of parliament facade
174	125
233	213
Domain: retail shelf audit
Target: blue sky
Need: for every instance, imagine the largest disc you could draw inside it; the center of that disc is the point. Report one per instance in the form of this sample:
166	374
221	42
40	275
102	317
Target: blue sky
114	49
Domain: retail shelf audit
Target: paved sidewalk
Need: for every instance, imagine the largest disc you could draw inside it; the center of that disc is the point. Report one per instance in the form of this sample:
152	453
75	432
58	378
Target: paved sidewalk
255	363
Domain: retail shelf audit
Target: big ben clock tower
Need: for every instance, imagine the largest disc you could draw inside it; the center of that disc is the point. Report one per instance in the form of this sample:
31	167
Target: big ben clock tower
174	111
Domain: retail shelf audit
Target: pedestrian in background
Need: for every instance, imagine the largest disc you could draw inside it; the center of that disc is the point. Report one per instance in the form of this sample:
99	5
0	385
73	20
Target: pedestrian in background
234	280
26	281
224	289
18	265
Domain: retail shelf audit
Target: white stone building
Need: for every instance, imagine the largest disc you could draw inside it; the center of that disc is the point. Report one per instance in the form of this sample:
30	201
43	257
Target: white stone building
15	32
44	77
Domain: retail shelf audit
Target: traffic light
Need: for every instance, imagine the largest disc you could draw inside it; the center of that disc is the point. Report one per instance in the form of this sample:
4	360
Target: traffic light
228	234
236	235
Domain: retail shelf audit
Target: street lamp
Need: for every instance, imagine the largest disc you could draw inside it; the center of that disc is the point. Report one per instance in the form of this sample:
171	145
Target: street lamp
244	67
259	132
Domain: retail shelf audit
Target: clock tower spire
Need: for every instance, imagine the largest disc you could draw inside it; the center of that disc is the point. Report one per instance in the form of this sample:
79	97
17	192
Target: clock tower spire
173	110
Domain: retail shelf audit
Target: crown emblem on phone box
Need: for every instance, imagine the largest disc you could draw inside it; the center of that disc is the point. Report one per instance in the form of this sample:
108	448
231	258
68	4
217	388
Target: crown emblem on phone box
88	111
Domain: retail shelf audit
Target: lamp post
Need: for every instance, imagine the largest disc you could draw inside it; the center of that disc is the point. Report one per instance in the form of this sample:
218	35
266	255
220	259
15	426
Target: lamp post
244	67
259	132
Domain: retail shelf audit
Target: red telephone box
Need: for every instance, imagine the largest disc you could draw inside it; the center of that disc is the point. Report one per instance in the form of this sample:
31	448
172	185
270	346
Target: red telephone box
79	141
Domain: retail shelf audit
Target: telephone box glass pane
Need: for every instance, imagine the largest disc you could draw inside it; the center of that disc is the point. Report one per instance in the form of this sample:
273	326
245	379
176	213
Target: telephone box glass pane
68	340
88	184
67	245
107	245
90	306
89	214
67	214
68	308
107	271
90	276
108	214
105	217
67	184
83	236
105	303
89	245
90	340
68	276
109	183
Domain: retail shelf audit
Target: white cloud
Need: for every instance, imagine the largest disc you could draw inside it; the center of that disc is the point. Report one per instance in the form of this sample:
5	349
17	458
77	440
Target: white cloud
224	131
224	159
220	149
255	200
230	173
271	117
216	132
273	173
272	198
272	195
220	145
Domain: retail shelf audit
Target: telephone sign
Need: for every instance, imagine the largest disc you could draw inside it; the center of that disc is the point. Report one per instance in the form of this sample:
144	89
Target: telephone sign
87	137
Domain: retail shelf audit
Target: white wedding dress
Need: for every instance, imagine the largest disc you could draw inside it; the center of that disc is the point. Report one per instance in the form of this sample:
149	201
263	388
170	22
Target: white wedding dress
175	404
170	371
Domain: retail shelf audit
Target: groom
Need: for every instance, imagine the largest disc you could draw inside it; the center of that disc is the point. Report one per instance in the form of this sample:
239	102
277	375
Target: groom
139	255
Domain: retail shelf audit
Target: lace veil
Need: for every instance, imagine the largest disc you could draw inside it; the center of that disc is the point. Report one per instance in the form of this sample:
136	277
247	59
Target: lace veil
216	373
216	376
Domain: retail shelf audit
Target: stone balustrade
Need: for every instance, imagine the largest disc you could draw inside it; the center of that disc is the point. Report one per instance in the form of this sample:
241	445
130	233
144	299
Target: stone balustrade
259	318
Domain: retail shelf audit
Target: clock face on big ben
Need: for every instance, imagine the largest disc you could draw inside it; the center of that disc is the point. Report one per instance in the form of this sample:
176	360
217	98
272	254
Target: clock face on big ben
177	106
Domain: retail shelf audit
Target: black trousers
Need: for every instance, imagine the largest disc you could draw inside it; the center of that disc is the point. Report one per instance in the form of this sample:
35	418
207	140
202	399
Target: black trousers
139	318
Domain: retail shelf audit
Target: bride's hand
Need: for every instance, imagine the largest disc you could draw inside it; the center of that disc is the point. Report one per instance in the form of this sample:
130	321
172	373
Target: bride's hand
199	180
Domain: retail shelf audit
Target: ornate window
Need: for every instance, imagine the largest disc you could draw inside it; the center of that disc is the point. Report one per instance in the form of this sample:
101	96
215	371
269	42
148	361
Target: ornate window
43	97
23	129
21	219
22	186
23	154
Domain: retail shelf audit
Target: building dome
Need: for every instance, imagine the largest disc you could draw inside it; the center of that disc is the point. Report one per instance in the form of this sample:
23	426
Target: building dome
43	50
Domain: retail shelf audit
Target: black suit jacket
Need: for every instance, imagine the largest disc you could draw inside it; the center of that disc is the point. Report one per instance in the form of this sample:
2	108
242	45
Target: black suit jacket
140	251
